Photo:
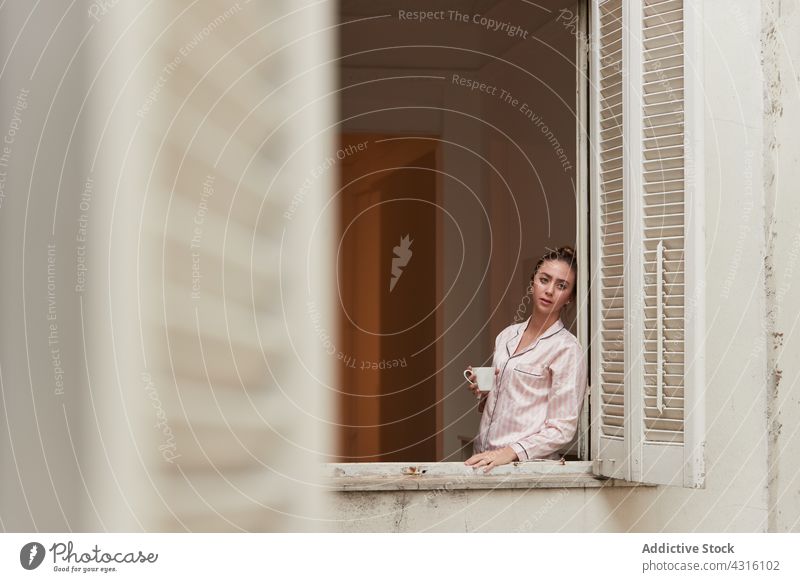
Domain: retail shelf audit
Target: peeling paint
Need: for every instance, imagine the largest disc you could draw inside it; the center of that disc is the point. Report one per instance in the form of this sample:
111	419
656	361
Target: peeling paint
772	25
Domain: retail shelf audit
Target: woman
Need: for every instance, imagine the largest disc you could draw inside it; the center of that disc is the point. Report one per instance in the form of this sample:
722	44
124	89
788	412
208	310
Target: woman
540	374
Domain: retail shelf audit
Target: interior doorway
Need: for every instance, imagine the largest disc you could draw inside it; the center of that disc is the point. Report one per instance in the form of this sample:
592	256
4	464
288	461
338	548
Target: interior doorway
390	397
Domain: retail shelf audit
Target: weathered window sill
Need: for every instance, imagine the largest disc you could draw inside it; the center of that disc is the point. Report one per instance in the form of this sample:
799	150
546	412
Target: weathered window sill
454	476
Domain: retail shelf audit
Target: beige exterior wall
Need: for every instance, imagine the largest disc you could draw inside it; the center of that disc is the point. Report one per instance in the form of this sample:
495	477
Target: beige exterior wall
780	32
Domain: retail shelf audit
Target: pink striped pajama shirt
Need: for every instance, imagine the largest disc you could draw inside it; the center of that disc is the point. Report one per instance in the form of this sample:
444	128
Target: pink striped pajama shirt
536	402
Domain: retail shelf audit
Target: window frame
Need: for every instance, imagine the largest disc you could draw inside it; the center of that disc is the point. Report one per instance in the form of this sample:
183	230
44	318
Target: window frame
362	476
367	476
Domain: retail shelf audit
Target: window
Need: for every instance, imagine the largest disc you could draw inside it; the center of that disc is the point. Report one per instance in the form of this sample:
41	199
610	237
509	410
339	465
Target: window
640	236
457	166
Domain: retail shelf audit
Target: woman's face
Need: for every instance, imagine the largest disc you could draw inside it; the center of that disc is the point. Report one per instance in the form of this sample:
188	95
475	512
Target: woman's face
552	286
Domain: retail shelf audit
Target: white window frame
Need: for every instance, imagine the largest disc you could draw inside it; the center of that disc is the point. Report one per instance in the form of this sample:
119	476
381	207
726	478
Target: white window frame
632	468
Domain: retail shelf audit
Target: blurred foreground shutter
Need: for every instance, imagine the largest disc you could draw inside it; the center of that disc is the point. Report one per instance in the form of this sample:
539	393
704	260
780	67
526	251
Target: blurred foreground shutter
236	125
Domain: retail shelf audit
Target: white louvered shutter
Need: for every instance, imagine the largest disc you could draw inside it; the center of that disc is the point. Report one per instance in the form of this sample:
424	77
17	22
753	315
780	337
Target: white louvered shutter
663	282
607	249
671	376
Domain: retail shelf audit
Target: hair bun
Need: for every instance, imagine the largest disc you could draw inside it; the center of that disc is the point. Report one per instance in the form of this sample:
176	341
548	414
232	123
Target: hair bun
567	250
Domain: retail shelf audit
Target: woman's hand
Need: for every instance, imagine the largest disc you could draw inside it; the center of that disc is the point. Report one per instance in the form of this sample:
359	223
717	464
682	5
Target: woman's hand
492	459
473	387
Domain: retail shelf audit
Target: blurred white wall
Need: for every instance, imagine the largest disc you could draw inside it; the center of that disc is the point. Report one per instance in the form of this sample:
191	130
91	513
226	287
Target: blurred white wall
160	150
45	404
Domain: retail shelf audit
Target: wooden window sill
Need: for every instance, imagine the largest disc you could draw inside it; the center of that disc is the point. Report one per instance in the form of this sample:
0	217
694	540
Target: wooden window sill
456	476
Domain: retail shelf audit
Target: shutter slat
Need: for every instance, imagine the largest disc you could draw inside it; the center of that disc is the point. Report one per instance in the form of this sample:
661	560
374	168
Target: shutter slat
657	15
654	54
663	96
664	162
656	6
664	436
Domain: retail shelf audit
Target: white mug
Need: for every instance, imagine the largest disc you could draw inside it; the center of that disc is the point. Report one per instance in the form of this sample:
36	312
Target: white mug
484	377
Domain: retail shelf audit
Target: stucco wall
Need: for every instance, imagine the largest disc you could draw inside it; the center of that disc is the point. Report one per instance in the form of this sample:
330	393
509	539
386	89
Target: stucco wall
741	196
781	53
